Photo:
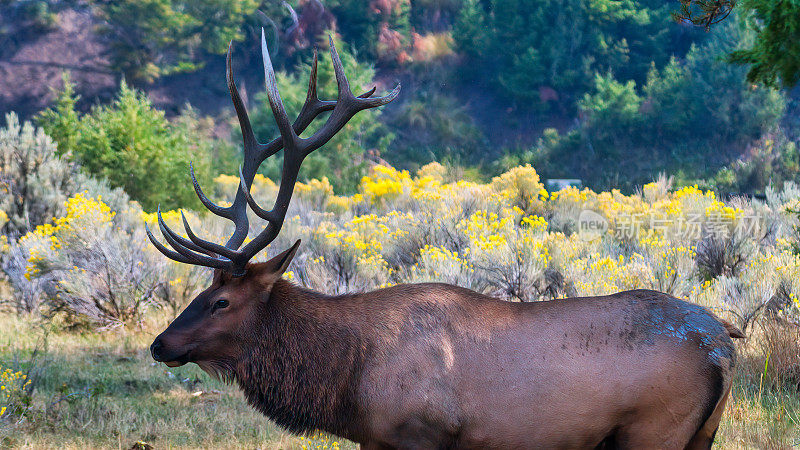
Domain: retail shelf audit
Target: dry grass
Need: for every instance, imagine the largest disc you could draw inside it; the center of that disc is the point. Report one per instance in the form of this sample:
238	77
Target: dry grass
102	390
764	409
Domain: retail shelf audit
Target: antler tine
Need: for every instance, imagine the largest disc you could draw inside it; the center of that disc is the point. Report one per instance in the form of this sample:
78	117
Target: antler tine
259	211
251	149
369	93
286	129
172	236
312	108
248	136
347	105
311	95
188	249
338	69
211	206
196	250
296	148
207	246
171	254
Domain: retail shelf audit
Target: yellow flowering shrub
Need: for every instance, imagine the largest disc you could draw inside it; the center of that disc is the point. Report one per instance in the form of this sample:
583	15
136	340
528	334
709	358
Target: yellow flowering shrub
82	213
226	186
509	238
432	171
602	274
384	183
655	191
487	231
339	204
350	256
315	192
171	218
768	277
97	264
671	268
319	441
522	188
441	264
4	247
13	391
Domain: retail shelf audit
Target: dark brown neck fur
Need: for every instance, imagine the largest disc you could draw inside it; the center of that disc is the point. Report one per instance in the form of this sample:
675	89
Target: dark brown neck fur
303	367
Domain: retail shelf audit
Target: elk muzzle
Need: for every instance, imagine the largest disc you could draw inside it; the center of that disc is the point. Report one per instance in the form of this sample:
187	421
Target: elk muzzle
164	351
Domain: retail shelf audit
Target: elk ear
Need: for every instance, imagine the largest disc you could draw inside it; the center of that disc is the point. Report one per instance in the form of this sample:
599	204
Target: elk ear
278	264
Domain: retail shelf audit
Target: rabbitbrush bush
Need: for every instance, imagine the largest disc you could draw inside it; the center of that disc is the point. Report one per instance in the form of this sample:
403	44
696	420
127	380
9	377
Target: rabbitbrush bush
34	181
512	239
509	238
94	264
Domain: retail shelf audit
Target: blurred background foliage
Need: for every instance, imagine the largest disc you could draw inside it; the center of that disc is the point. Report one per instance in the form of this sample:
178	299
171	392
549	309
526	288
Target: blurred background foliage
611	92
134	146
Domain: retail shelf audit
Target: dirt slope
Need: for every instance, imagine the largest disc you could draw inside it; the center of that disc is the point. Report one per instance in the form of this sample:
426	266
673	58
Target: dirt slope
32	65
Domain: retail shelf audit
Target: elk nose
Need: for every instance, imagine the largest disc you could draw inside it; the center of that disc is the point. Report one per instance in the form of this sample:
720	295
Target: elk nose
155	349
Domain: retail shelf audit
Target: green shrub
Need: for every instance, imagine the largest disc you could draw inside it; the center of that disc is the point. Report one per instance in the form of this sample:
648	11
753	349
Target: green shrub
434	127
771	161
523	45
432	14
133	146
693	116
378	30
152	38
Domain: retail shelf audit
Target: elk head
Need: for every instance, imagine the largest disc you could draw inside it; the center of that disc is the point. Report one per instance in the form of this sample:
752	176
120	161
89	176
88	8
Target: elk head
224	314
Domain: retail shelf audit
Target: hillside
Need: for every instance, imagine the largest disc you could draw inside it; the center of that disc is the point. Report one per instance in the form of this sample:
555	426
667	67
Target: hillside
658	97
31	68
31	63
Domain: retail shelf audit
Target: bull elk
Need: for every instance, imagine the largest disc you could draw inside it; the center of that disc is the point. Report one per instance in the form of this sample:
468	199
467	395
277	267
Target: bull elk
435	365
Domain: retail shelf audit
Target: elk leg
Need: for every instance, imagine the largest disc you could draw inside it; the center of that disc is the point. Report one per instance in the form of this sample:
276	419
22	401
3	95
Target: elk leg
657	430
704	438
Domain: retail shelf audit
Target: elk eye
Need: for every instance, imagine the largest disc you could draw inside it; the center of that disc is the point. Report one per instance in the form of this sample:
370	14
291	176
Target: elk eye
221	303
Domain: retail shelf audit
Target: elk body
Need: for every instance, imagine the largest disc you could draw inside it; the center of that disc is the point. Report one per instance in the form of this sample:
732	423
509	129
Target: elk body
435	365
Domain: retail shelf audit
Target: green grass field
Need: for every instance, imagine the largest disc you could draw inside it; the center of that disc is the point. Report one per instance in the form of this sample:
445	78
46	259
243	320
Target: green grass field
101	390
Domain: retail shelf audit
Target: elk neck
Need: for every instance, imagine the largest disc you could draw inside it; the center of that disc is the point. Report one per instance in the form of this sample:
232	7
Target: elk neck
304	362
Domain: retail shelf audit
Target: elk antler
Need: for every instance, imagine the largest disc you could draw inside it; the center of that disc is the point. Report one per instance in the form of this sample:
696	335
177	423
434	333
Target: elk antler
229	257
